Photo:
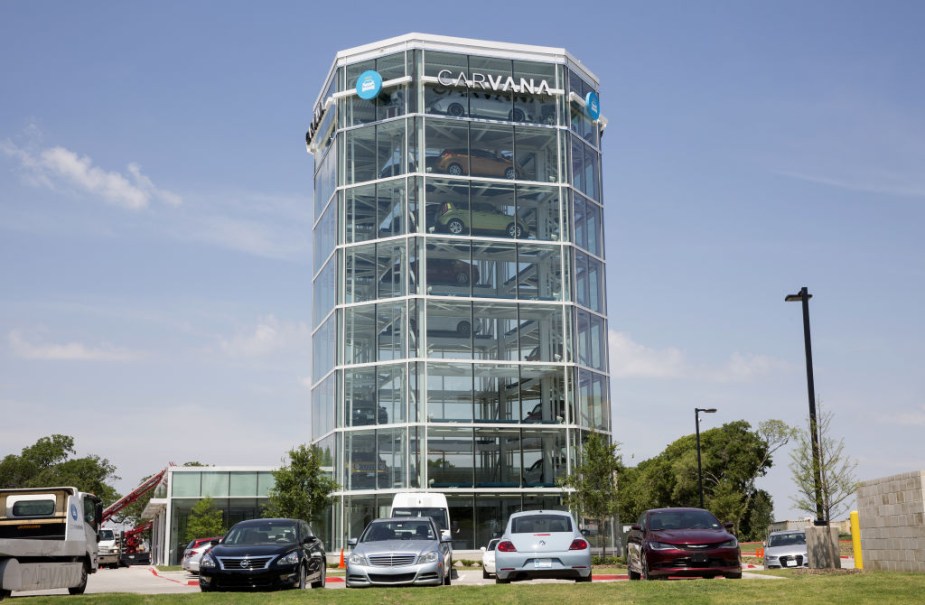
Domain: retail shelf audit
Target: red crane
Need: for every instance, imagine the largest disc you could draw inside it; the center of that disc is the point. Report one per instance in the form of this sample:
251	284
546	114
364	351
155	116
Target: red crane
146	486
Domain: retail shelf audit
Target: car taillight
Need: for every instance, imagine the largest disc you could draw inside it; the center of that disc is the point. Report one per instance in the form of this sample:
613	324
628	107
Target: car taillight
506	546
578	544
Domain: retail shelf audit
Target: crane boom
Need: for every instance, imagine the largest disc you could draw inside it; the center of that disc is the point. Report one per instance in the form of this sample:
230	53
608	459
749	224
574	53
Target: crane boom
143	488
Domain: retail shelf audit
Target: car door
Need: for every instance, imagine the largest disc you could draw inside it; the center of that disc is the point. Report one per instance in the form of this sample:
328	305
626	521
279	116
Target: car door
634	544
313	550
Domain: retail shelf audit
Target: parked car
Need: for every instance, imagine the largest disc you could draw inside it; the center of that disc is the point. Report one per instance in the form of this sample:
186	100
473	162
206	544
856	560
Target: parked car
786	549
542	544
194	551
399	551
365	412
443	271
687	542
476	162
488	558
480	105
480	217
265	553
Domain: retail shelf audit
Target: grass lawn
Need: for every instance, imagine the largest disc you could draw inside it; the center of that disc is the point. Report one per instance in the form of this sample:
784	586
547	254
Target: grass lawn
836	588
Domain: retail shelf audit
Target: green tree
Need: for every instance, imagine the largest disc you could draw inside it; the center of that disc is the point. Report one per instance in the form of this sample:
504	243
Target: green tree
595	482
204	521
733	457
302	489
49	462
839	482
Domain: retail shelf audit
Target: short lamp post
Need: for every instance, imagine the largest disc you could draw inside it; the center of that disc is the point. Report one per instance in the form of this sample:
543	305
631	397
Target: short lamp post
803	296
697	428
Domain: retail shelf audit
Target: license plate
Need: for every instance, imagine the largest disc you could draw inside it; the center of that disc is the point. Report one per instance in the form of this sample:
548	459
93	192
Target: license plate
699	558
542	563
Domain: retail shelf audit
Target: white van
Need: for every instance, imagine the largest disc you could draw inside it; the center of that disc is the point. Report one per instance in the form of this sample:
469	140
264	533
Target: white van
421	504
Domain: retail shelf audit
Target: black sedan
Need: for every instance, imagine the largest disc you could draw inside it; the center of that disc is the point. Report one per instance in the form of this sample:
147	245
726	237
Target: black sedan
265	554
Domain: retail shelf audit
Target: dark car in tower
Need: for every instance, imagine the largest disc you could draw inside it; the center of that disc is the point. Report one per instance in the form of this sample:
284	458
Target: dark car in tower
681	542
264	554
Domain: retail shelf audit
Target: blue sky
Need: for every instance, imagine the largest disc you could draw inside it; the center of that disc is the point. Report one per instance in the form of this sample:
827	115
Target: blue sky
155	210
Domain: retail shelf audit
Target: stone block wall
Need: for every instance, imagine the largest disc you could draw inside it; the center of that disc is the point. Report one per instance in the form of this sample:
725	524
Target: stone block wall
891	512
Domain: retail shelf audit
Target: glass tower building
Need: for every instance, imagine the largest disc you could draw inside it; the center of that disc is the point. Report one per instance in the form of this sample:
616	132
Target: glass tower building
459	313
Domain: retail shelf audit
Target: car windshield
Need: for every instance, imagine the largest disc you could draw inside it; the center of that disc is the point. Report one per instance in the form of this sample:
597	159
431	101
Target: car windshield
412	529
787	539
262	534
106	534
688	519
533	524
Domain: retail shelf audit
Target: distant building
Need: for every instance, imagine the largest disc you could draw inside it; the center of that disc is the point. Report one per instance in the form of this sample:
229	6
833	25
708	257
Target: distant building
239	492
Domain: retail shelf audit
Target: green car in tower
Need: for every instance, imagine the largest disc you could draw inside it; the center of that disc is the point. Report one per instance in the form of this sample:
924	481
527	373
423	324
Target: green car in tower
480	218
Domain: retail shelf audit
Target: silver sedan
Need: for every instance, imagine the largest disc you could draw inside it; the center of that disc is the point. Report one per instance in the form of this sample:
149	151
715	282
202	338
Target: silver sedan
399	552
542	544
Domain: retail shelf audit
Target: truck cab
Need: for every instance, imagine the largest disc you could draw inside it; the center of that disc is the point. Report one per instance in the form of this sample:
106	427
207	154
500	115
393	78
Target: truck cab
48	539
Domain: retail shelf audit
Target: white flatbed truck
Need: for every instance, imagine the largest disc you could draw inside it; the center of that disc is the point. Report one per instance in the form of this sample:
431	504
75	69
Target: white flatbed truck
48	539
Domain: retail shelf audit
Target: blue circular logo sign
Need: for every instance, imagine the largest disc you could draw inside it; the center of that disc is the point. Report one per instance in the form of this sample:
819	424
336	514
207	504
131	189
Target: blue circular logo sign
369	85
593	105
73	512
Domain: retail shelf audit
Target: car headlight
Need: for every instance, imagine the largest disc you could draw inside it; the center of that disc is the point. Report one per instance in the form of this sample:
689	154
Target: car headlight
770	558
207	562
661	546
290	559
729	543
356	559
429	557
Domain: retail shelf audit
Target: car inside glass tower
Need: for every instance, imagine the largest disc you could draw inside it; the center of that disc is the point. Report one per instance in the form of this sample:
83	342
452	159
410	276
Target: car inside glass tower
459	314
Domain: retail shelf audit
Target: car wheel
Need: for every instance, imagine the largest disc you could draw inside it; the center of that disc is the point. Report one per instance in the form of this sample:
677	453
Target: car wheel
80	588
485	574
301	582
455	226
583	579
454	169
320	582
464	329
455	109
518	115
449	573
644	567
509	173
462	278
499	580
632	574
514	230
734	576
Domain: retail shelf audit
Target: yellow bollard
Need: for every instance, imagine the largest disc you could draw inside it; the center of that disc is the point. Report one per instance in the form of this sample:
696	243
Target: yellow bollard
856	540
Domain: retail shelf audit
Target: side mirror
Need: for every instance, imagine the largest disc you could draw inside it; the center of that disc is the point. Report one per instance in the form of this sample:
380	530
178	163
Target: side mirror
483	549
728	525
635	527
352	542
445	535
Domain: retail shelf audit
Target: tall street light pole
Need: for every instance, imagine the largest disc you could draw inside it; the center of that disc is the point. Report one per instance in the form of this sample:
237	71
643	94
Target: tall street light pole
803	296
699	467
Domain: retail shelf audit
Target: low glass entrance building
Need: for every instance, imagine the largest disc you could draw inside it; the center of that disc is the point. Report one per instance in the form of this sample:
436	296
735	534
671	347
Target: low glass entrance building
459	313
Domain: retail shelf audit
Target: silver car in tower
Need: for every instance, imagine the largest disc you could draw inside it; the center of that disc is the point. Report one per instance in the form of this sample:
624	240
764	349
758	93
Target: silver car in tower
786	549
542	544
399	551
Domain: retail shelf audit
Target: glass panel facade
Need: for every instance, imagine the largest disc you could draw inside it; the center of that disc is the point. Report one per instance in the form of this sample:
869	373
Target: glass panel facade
467	351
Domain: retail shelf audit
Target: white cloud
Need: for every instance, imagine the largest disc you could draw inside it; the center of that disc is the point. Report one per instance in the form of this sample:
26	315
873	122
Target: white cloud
911	418
268	336
59	168
71	351
629	359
